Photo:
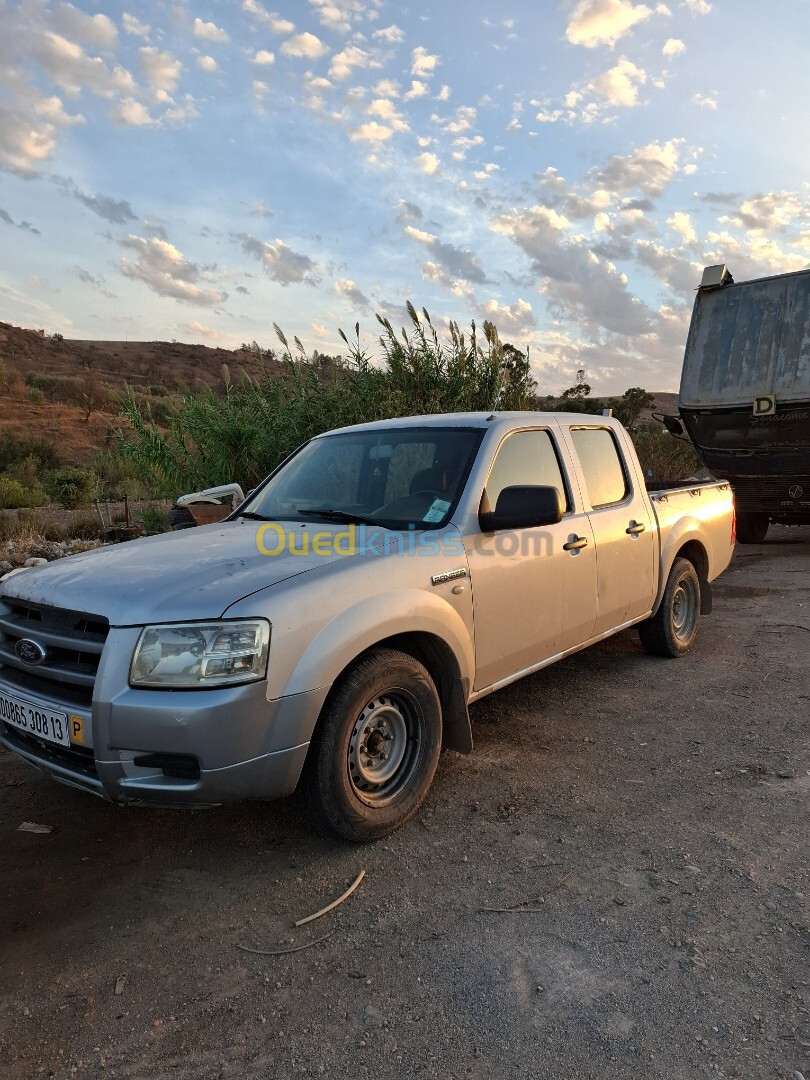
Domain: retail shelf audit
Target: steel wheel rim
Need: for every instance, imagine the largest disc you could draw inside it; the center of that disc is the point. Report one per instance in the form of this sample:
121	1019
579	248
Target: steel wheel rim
684	609
384	748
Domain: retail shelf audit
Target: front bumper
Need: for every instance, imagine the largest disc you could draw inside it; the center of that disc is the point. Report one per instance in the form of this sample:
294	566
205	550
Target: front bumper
244	746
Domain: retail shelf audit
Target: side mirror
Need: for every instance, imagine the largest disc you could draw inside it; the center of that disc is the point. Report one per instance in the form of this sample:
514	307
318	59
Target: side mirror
524	508
671	423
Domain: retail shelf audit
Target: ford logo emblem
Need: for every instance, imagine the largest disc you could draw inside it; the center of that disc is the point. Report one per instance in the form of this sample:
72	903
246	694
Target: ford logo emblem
30	652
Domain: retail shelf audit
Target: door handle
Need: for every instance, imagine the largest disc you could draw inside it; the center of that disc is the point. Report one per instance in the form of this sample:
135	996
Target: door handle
575	544
635	528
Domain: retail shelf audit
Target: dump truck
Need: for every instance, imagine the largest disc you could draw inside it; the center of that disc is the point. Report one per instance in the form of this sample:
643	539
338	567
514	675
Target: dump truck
745	393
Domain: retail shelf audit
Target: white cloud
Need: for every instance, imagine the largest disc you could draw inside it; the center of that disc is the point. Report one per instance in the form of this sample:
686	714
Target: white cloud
673	47
423	63
443	94
460	265
167	272
283	265
648	168
135	26
705	101
418	89
392	35
200	330
681	223
620	84
338	15
99	30
344	62
386	88
132	113
371	132
304	46
275	22
427	162
207	63
349	290
698	7
603	22
264	57
511	320
210	31
162	71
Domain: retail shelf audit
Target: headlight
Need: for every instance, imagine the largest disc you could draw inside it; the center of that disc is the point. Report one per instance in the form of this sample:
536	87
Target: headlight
191	656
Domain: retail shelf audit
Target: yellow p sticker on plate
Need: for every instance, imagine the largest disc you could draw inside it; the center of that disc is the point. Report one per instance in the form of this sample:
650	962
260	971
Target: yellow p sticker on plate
76	729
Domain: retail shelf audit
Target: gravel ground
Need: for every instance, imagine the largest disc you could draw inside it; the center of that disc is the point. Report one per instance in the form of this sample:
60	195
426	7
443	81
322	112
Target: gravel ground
643	823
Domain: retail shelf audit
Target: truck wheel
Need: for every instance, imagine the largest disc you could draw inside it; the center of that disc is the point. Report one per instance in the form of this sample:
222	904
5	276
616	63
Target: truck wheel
375	749
673	628
752	528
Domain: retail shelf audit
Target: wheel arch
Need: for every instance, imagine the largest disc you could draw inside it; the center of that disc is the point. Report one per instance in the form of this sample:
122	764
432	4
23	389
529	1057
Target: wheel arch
443	667
694	552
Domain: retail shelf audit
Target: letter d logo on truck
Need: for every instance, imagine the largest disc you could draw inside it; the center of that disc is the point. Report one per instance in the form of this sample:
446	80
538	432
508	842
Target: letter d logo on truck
764	406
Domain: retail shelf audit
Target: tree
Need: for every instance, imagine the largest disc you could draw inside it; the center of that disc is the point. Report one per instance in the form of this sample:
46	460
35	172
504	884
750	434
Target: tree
579	390
632	404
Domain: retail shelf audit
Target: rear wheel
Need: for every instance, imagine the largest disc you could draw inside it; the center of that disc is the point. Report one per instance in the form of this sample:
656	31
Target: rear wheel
752	528
673	628
376	748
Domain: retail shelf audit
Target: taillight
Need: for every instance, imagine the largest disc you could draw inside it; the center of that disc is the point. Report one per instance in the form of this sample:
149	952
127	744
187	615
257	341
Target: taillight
733	524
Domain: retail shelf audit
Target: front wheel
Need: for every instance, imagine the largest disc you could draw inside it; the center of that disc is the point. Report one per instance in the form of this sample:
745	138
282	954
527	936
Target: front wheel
672	630
375	749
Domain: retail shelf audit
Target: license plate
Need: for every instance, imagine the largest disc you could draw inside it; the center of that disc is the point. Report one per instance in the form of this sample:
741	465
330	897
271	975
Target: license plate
35	720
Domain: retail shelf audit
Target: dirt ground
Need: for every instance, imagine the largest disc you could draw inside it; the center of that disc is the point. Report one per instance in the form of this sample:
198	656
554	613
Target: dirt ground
644	822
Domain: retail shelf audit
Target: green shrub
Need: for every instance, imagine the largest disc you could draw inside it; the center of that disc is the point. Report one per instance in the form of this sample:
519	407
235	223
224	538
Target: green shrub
14	451
155	520
36	397
82	525
13	495
73	486
207	439
663	457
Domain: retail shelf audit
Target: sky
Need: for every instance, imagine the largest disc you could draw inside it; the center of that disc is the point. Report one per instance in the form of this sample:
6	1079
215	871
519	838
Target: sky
199	170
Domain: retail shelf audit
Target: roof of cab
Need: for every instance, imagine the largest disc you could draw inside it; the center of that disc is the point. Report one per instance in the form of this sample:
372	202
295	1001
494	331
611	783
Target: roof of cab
479	419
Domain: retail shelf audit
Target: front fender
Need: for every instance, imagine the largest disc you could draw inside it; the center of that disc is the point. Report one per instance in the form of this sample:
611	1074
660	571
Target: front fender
371	620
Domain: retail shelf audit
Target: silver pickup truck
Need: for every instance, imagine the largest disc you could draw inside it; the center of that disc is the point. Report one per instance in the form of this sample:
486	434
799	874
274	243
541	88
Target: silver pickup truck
332	632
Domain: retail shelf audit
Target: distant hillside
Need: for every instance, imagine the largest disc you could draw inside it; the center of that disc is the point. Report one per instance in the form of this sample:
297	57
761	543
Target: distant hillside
71	369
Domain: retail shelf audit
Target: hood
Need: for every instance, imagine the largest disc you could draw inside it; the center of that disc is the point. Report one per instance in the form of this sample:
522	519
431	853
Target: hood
185	575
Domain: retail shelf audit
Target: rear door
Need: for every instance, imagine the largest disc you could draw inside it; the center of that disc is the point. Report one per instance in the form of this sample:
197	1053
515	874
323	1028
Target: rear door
532	598
622	527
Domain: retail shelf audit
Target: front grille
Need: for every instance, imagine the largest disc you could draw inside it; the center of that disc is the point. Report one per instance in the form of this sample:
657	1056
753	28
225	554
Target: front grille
771	492
72	642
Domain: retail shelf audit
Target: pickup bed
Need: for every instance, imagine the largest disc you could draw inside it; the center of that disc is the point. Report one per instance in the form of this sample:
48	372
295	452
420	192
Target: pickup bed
331	633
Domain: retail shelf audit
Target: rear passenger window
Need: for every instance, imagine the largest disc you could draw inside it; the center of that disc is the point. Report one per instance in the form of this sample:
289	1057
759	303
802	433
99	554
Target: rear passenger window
601	465
527	458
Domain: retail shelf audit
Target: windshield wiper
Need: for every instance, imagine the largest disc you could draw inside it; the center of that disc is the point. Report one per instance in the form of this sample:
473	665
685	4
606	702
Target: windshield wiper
341	515
252	516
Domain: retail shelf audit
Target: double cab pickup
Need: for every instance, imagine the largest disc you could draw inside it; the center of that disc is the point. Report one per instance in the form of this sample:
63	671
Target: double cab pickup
331	633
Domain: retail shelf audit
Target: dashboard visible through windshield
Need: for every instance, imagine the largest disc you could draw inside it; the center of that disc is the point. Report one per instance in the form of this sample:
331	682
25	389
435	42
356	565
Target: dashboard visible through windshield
396	478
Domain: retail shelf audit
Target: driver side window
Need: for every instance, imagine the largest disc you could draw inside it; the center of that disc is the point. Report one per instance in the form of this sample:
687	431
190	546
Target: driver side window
526	458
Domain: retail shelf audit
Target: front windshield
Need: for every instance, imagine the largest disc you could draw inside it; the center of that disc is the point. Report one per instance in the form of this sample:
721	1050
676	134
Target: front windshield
394	477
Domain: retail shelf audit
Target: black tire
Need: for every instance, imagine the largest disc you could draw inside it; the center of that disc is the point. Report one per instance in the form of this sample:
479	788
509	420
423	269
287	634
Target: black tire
375	749
673	629
752	528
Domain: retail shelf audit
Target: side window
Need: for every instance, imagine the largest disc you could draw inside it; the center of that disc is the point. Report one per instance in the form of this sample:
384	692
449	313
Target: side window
601	465
526	458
